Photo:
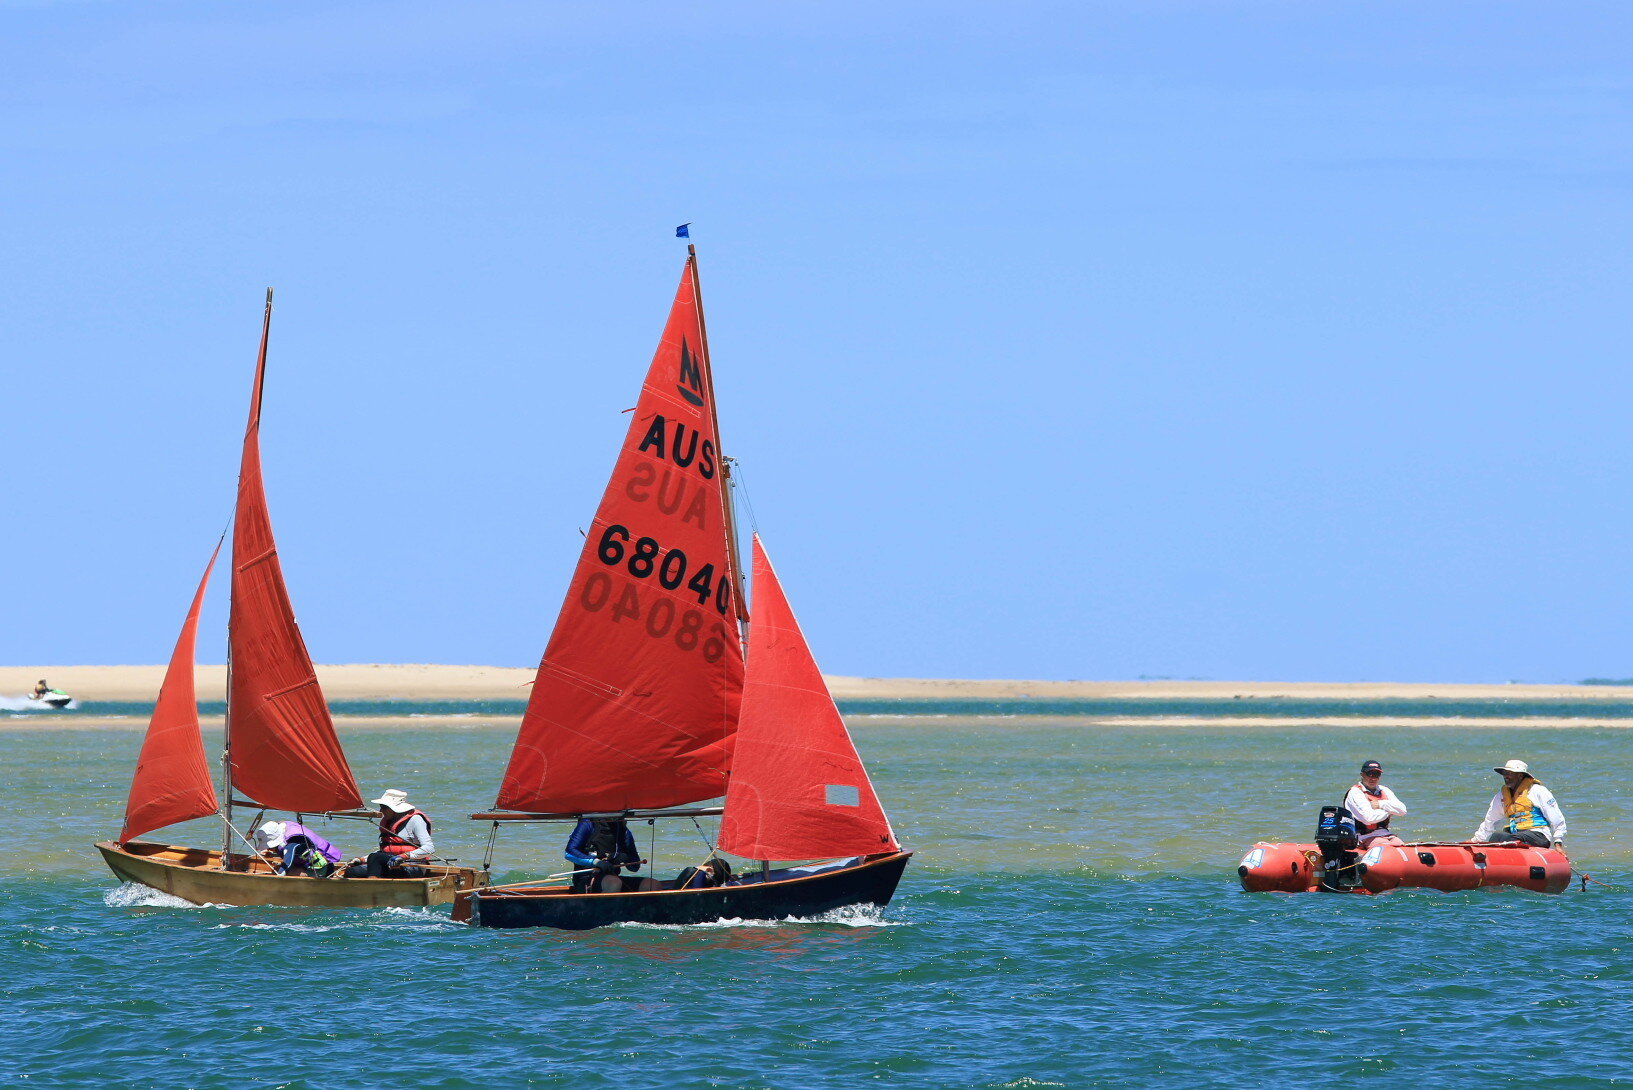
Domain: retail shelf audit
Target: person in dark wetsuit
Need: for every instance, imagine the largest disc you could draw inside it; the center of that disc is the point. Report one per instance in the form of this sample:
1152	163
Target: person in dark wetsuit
714	872
598	849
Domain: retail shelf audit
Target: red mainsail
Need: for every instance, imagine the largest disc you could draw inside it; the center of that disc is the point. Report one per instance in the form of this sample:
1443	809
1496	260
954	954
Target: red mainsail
172	774
284	751
798	789
636	698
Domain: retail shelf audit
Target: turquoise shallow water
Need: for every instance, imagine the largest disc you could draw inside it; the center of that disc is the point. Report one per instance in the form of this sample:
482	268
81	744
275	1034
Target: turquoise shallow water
1072	919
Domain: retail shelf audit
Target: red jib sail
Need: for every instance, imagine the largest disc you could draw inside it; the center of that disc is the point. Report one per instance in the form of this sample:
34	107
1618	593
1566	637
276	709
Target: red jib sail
172	775
798	789
636	698
284	751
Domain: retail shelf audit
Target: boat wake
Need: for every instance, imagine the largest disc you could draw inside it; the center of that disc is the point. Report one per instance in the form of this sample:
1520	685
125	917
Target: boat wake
418	919
136	895
24	704
849	916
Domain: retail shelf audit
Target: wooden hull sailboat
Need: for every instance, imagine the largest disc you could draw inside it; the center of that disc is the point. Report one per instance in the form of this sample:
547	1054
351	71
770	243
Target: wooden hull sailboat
197	875
281	748
646	700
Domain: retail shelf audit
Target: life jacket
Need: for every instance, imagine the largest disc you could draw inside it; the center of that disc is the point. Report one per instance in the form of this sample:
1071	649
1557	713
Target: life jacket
606	841
1361	827
1522	813
391	826
294	830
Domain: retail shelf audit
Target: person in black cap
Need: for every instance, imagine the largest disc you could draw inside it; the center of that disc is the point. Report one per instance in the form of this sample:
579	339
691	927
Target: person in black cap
1372	804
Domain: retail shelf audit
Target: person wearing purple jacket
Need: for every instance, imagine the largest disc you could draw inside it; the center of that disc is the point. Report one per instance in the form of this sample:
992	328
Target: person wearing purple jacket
302	850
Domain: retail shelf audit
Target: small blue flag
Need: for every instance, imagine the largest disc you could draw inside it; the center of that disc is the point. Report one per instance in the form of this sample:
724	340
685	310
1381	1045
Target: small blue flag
683	231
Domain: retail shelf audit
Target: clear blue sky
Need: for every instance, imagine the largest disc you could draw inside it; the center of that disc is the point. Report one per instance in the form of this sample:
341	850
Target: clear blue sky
1241	340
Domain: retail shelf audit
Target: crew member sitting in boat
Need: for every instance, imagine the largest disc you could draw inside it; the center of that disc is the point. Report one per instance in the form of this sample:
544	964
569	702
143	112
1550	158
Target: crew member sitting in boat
1523	812
1372	804
598	849
715	872
405	838
300	850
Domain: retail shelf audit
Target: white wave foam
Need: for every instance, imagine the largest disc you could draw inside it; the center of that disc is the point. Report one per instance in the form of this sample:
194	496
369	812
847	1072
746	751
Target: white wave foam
417	918
22	703
136	895
414	917
849	916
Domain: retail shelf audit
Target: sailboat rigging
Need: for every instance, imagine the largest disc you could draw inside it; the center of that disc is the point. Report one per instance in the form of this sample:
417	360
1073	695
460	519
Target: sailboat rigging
280	750
644	705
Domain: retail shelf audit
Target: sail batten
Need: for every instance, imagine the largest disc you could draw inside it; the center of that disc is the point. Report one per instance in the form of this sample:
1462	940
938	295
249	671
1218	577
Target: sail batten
636	696
284	751
172	781
798	787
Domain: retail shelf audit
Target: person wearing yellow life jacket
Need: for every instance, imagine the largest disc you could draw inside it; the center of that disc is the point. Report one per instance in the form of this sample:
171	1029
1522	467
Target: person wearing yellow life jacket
405	838
1372	804
1523	812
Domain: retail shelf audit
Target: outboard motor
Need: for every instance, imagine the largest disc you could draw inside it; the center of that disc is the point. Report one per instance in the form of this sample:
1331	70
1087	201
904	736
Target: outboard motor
1335	836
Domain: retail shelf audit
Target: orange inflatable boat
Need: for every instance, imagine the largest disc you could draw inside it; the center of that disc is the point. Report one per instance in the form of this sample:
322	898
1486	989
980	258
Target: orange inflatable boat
1381	867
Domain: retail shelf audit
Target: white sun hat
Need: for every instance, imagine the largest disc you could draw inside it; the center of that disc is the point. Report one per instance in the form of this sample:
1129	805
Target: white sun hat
271	835
397	800
1513	766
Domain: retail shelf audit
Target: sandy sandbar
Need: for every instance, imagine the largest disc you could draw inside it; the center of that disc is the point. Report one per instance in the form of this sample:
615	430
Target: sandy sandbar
428	682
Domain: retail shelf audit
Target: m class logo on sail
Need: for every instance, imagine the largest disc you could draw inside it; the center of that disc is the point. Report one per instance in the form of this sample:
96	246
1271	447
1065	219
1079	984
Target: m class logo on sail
691	379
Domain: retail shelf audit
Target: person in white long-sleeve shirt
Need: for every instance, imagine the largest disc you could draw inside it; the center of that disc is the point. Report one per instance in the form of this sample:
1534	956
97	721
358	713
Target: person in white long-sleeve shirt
1372	804
405	839
1523	812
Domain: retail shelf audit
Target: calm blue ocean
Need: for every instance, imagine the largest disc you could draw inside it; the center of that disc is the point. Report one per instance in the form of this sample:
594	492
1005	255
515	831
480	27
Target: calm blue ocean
1072	919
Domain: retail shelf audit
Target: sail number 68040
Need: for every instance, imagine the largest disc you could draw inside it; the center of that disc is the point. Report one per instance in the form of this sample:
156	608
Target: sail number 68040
642	562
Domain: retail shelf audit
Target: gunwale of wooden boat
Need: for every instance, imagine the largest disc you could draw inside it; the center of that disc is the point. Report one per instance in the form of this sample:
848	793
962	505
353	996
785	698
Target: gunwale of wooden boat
196	875
870	879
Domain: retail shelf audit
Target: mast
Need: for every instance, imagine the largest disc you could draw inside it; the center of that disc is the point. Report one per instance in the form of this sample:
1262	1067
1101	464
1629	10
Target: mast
733	551
226	718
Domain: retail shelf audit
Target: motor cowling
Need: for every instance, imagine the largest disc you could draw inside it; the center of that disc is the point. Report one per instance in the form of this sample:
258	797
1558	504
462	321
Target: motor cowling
1336	837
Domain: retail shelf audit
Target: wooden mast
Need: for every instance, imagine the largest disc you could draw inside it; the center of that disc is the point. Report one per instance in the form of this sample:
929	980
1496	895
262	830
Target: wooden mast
740	597
226	719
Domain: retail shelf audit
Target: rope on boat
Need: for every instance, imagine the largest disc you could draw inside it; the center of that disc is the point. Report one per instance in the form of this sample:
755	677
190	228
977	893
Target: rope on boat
738	483
707	843
1586	878
487	857
255	853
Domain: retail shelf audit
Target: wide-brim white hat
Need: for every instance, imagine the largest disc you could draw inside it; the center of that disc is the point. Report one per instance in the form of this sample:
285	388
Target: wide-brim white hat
272	834
397	800
1513	766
